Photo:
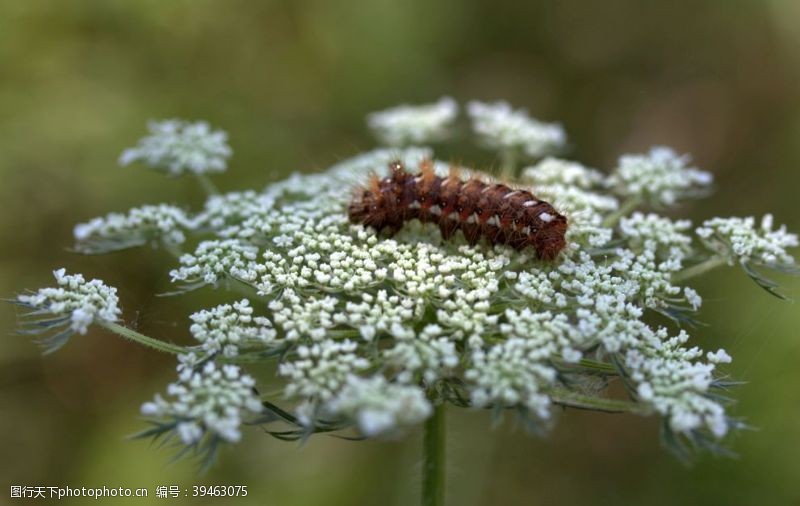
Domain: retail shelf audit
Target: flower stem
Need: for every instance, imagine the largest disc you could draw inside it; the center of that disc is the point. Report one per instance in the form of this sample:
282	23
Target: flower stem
701	268
580	401
626	207
508	165
433	471
172	248
143	339
209	187
596	366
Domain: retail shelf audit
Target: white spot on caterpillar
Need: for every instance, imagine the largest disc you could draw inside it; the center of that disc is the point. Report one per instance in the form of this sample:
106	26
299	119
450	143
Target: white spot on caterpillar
452	216
546	217
509	195
435	209
530	203
494	220
414	205
473	218
526	230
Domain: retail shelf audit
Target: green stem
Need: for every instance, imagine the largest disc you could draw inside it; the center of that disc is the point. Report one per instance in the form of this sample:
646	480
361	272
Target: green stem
172	248
580	401
701	268
626	207
601	367
209	187
433	470
508	165
143	339
588	365
243	288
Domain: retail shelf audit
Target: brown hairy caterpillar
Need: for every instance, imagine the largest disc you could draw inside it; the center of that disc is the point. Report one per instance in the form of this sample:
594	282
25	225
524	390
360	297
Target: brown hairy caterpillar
499	214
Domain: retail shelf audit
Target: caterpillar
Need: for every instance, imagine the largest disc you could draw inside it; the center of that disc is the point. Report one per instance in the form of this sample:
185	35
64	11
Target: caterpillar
495	212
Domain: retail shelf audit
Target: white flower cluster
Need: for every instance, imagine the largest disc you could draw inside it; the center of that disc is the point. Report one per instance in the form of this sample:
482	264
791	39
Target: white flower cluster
320	370
669	377
378	406
179	147
420	124
139	226
425	357
336	290
500	127
207	399
230	328
739	239
374	330
661	177
511	373
565	173
75	301
215	260
657	233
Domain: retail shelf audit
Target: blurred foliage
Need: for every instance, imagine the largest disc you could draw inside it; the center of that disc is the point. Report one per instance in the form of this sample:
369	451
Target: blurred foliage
291	81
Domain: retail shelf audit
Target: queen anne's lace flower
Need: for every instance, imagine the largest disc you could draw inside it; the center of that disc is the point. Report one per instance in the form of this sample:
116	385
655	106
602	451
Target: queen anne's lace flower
554	171
372	331
319	370
379	406
72	306
511	373
676	384
304	317
654	232
661	177
213	261
208	400
137	227
229	328
418	124
502	128
178	147
740	239
427	356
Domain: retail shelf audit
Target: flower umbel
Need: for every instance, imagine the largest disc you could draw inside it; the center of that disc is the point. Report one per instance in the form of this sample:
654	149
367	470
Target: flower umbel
373	333
140	225
739	239
72	306
208	401
661	177
502	128
406	125
231	328
178	147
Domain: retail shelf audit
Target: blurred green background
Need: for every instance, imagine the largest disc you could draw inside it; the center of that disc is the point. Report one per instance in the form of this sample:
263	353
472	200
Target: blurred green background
291	82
